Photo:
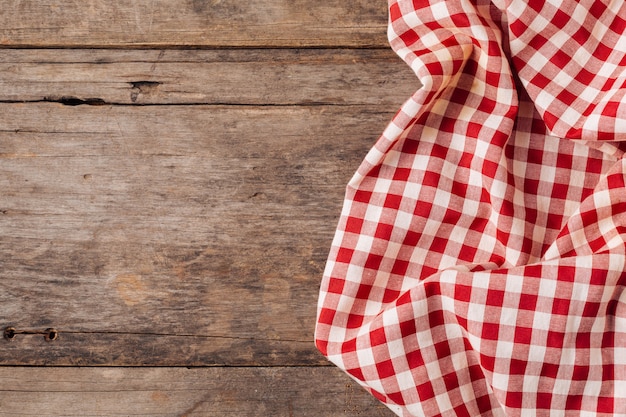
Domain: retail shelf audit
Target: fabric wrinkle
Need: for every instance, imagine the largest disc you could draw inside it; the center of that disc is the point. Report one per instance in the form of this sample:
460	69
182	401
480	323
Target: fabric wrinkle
478	264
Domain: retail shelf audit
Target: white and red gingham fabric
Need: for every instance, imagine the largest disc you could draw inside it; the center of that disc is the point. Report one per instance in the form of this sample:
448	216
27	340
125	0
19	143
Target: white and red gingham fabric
479	264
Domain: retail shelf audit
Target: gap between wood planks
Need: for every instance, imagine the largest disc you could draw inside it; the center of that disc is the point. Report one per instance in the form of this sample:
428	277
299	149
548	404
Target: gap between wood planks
382	46
75	101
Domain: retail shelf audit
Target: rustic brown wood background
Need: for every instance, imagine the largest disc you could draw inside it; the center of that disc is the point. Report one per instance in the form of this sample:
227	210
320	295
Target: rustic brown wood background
171	173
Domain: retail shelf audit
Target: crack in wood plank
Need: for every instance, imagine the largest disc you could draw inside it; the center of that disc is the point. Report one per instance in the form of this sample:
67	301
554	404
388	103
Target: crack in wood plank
182	335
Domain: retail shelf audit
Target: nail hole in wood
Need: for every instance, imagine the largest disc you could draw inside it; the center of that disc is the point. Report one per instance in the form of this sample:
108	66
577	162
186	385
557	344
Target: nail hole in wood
51	334
9	333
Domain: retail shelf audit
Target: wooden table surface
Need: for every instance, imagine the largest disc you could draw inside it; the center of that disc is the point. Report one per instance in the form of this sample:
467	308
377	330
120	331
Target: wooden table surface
171	174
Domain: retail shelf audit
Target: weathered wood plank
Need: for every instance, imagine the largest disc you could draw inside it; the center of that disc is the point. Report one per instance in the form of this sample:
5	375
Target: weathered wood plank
102	346
207	77
170	235
192	23
176	392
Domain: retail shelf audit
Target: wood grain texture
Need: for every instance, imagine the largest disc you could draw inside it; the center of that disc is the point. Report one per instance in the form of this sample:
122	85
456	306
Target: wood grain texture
251	76
192	23
168	199
171	235
180	392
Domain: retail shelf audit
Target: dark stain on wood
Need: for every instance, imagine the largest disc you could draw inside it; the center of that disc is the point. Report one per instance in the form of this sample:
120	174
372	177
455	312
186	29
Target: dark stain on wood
222	10
143	88
75	101
199	6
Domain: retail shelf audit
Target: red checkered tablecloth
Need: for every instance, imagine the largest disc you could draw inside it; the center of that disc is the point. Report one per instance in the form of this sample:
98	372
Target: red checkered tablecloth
479	263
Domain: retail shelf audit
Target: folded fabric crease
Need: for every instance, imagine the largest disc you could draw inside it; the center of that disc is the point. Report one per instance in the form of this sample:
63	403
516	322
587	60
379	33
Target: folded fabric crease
478	267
